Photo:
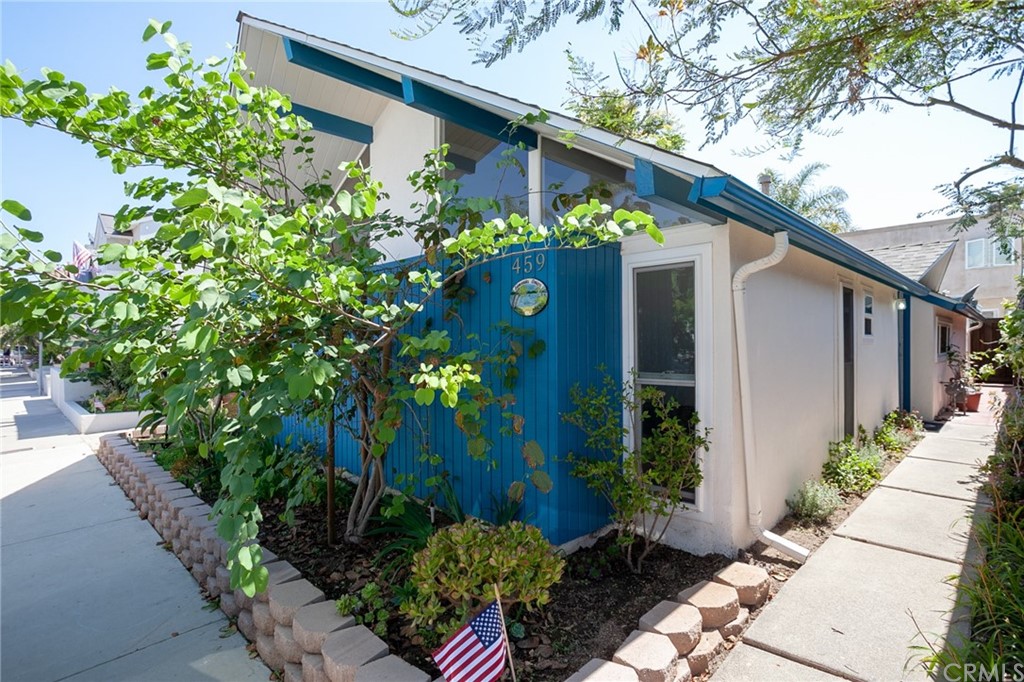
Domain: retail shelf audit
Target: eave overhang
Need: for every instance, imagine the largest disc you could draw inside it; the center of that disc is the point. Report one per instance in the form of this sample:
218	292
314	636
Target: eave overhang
739	201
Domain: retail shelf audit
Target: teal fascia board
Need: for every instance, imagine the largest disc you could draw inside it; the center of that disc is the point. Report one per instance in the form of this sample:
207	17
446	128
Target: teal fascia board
331	65
335	125
438	103
741	202
659	186
954	305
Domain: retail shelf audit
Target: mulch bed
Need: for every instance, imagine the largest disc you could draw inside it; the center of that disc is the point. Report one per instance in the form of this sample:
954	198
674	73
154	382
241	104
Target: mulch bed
592	610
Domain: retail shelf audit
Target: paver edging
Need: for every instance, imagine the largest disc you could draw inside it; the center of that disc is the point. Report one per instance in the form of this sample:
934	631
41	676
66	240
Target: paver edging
682	621
188	534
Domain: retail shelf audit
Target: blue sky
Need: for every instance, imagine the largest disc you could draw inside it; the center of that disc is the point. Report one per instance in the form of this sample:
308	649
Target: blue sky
888	163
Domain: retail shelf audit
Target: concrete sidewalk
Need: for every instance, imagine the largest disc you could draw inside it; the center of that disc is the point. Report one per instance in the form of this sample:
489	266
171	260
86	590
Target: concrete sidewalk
866	595
87	591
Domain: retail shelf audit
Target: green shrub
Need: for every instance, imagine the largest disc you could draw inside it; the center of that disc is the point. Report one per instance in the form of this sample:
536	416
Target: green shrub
189	458
905	421
644	485
995	594
293	475
852	468
456	572
1005	467
899	431
409	522
368	607
892	439
815	502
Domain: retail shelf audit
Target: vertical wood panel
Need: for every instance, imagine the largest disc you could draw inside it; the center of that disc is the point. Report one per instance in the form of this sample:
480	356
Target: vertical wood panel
581	328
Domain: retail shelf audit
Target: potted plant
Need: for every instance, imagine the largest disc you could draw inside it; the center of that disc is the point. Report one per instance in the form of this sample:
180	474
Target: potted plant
979	368
965	374
957	387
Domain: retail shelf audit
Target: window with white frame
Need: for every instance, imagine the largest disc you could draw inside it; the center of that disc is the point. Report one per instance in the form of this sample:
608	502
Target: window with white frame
869	314
989	253
975	249
1002	252
944	339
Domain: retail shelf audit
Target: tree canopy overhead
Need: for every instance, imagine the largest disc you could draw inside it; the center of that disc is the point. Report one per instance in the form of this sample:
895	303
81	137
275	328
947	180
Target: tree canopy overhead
797	66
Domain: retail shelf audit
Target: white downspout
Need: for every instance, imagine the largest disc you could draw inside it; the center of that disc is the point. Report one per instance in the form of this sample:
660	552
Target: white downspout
739	286
970	329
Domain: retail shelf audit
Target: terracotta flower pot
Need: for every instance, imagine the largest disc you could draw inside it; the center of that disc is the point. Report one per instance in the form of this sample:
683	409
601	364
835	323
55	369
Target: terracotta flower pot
973	401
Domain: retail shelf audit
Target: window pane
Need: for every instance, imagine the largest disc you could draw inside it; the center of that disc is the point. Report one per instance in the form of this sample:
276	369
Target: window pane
488	168
869	303
685	398
944	332
665	322
1002	252
976	253
867	326
572	177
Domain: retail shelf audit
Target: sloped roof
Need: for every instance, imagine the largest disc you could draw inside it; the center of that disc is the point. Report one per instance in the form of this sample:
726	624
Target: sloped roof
107	221
684	182
913	260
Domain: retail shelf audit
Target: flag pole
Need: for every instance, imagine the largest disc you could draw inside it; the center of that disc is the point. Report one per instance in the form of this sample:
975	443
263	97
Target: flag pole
508	642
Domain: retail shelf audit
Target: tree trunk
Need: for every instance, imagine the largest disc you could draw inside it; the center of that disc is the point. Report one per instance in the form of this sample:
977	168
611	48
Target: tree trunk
331	537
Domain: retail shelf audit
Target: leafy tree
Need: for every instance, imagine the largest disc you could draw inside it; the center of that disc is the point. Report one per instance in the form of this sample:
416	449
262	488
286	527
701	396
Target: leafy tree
800	66
601	106
262	287
820	205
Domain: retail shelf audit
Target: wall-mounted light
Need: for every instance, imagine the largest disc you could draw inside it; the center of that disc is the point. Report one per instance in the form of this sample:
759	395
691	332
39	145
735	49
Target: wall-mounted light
901	304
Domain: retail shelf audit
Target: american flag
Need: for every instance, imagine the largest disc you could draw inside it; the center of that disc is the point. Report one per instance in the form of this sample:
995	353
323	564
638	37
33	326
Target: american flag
476	652
82	258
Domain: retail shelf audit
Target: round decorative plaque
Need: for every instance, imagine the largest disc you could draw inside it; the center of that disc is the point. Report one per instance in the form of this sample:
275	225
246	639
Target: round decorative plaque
529	297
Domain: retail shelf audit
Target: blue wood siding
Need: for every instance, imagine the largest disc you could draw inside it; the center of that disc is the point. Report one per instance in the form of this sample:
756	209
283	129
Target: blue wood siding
581	330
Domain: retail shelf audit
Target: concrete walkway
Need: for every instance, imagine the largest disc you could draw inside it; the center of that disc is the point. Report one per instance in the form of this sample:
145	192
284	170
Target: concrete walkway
860	603
87	592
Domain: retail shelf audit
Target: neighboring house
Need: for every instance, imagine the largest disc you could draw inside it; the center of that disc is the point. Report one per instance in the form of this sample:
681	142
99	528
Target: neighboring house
777	364
977	262
106	234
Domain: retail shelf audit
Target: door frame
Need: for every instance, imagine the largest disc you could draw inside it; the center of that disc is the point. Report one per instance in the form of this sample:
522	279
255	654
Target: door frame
700	256
841	401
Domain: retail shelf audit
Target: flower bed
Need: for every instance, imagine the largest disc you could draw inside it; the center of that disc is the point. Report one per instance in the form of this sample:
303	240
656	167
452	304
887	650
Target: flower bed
67	396
548	644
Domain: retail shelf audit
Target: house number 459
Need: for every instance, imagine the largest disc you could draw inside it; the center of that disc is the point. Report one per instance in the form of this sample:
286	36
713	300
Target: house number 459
528	262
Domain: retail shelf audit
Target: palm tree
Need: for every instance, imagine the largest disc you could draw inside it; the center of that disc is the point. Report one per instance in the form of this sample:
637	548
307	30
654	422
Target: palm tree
822	206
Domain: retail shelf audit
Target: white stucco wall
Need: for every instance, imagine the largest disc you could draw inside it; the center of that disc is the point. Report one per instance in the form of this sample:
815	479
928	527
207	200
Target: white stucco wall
794	318
794	315
927	368
401	136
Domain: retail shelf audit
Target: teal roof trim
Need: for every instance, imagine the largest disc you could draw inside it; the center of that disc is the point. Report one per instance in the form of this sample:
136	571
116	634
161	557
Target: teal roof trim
731	197
667	189
955	305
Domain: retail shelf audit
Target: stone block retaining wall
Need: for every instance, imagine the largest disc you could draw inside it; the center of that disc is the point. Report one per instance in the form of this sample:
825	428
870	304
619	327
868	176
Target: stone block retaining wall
296	631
